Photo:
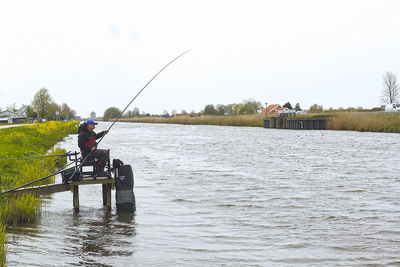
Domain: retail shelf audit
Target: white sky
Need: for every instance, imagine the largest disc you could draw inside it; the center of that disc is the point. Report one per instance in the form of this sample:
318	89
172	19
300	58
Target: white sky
97	54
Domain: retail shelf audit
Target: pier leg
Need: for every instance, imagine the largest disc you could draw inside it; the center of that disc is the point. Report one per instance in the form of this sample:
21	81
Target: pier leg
104	194
108	195
75	190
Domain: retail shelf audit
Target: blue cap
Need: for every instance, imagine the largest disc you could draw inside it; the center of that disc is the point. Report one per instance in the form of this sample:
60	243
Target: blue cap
91	122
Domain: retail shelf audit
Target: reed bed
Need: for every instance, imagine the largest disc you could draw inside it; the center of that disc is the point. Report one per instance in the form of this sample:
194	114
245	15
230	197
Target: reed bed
366	122
27	141
243	120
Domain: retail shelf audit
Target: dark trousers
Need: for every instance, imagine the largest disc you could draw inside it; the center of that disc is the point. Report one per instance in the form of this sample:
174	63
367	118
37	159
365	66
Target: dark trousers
101	155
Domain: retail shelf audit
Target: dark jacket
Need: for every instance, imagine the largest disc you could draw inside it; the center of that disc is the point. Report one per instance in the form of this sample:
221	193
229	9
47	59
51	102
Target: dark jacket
87	139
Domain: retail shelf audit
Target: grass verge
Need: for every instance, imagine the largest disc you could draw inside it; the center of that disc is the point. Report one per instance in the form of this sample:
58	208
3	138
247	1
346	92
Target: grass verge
26	141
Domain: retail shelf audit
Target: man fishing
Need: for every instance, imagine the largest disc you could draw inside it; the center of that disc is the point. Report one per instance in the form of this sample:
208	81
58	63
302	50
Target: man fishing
87	143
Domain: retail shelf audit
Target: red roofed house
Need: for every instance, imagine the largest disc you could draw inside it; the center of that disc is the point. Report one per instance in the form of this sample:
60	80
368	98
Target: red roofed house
272	109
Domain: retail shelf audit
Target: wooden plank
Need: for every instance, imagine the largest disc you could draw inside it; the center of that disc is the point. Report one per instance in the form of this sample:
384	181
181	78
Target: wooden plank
43	189
92	181
55	188
104	194
108	195
76	196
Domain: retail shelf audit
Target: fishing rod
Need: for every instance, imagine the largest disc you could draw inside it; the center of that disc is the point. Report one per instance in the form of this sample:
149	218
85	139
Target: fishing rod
38	180
43	178
120	114
45	156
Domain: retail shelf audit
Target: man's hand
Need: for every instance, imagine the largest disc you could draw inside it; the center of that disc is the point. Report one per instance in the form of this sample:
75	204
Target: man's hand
106	132
93	148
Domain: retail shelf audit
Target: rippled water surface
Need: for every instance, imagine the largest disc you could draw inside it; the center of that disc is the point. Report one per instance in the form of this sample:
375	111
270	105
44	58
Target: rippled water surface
209	195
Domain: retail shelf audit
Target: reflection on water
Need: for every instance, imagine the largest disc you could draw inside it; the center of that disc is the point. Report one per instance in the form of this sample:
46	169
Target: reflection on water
211	195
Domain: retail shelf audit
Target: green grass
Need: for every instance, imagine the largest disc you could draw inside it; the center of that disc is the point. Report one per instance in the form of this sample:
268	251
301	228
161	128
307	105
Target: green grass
26	141
3	240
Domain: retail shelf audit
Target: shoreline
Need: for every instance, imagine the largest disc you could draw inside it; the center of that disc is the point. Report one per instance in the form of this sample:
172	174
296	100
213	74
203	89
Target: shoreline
345	121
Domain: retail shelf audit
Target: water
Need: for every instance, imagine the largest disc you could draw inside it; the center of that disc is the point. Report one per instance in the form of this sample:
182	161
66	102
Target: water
209	195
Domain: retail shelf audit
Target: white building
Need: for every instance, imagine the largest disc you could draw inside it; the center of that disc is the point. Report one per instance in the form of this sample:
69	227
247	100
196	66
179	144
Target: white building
8	116
92	115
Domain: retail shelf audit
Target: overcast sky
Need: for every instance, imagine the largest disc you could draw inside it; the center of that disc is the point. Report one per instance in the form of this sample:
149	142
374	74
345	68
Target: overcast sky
97	54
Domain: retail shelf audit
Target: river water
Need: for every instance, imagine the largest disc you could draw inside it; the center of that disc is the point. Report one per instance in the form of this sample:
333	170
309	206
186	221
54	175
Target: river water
210	195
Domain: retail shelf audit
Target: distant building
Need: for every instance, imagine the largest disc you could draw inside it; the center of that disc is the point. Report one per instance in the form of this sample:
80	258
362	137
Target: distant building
18	116
272	109
92	115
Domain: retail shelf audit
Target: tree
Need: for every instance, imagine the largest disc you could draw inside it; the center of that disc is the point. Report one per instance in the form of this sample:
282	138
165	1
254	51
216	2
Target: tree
220	110
316	108
111	113
53	112
66	113
30	112
12	107
297	107
288	105
237	108
184	111
209	110
228	109
250	106
129	114
390	92
173	112
41	102
136	112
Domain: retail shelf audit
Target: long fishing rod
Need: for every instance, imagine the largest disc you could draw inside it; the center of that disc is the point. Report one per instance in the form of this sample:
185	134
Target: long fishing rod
120	114
38	157
43	178
38	180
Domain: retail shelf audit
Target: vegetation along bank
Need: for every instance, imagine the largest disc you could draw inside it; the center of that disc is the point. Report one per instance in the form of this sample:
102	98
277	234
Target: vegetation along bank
350	121
26	141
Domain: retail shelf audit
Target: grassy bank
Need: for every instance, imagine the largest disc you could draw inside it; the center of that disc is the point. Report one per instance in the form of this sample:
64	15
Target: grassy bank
25	141
350	121
3	241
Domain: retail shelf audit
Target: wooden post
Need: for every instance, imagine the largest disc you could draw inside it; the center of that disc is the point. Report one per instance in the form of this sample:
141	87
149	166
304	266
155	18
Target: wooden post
75	190
104	194
108	193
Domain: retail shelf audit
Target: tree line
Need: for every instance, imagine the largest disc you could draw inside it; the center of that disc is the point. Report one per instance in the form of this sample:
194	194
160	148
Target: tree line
44	107
390	94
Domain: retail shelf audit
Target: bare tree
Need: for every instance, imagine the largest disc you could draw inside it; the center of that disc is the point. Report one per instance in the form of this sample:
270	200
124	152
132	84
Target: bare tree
390	92
12	107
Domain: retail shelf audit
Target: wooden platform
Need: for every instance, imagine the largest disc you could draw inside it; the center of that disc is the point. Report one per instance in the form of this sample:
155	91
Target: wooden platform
107	185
